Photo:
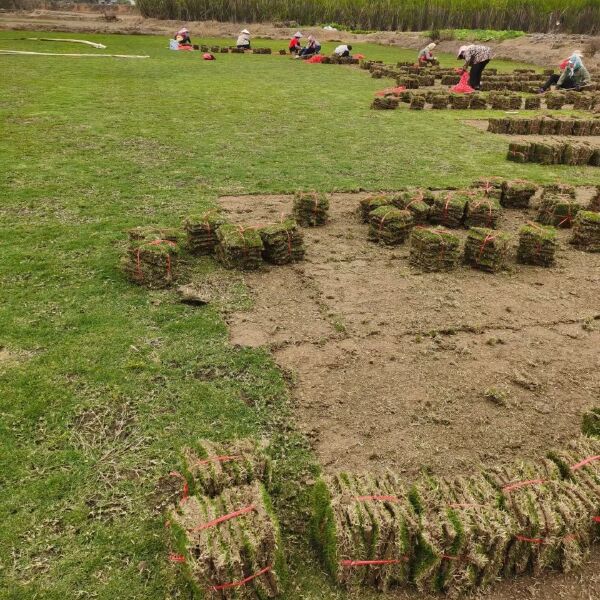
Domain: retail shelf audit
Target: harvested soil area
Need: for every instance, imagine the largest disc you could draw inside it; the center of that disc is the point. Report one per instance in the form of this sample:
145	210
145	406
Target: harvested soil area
394	368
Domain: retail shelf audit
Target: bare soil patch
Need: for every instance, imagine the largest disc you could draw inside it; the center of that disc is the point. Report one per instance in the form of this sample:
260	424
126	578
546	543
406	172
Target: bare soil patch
392	366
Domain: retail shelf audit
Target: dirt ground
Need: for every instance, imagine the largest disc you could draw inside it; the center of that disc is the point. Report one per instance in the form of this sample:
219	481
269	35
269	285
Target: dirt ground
540	49
391	366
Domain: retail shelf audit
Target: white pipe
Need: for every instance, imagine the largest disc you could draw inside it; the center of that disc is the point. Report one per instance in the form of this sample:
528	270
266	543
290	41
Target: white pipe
75	55
93	44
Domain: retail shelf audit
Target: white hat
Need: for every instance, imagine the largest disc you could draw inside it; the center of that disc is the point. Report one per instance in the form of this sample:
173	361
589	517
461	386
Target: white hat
431	46
245	31
298	34
578	53
461	50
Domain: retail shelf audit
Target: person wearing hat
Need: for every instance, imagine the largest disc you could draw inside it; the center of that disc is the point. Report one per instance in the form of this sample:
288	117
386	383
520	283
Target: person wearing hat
295	46
243	41
575	75
476	58
554	79
343	51
426	55
311	49
183	37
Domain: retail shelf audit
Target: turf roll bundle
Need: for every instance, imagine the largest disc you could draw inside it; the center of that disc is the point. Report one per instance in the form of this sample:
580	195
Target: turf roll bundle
558	210
520	152
370	203
283	242
311	209
439	101
151	263
434	249
490	187
389	225
230	545
586	231
449	209
239	247
533	103
415	201
487	249
537	245
460	101
211	467
483	212
478	102
364	528
385	103
517	193
150	233
417	102
202	230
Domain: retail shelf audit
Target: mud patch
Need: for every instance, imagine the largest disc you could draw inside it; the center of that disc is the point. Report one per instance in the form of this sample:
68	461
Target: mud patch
392	366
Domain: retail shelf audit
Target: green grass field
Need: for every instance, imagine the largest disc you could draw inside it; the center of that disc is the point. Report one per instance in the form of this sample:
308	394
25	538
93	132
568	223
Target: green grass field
102	382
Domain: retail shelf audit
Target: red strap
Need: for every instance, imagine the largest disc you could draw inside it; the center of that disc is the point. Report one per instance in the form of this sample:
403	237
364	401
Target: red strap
233	515
226	586
522	538
185	493
379	498
596	519
488	238
584	462
215	459
177	558
520	484
363	563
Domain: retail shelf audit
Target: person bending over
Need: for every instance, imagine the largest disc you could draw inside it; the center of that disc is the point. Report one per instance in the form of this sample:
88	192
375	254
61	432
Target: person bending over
343	51
295	47
426	55
243	41
476	58
183	37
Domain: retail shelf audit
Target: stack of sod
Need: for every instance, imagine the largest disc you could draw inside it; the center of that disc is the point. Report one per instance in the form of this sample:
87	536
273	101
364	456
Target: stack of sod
577	154
590	422
460	101
385	103
533	103
483	211
582	102
499	125
552	189
500	102
230	544
463	535
364	528
595	201
434	249
224	50
215	49
211	467
204	48
151	263
417	102
239	248
548	125
520	152
371	203
237	50
487	249
311	209
202	230
262	51
478	102
517	193
150	233
537	245
283	242
450	79
413	200
586	231
389	225
491	187
439	101
449	209
555	100
554	523
558	210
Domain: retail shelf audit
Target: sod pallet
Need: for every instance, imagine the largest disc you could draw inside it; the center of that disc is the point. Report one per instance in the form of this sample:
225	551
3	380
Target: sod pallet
370	203
389	225
449	209
211	467
151	263
201	230
586	231
460	101
478	102
239	247
483	211
364	528
434	249
517	193
230	545
283	242
416	201
385	103
417	103
558	210
439	101
537	245
311	209
487	249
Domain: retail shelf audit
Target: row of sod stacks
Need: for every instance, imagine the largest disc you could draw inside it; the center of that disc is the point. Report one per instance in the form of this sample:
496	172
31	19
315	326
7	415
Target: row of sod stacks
537	245
262	51
311	209
389	225
586	231
151	257
239	247
385	103
449	209
434	249
202	230
545	126
553	152
482	211
283	242
558	210
517	193
460	534
502	101
487	249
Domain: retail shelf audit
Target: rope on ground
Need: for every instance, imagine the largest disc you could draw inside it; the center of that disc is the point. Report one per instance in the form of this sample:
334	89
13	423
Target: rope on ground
23	52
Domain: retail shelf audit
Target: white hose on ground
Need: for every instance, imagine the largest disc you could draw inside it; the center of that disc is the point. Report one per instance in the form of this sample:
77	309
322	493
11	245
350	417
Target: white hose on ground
23	52
93	44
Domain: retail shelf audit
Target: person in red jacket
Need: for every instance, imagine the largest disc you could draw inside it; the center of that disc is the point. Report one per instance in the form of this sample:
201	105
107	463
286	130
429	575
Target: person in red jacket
295	46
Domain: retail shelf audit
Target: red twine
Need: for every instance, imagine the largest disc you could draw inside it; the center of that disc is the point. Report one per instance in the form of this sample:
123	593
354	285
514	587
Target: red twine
584	462
520	484
233	515
153	243
488	238
216	459
522	538
225	586
596	519
177	558
185	493
379	498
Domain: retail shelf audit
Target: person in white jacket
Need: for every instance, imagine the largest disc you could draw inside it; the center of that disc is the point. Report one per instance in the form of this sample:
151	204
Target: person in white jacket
243	40
343	50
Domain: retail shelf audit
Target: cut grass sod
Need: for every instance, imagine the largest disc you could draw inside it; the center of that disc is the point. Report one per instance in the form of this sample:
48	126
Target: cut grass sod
103	382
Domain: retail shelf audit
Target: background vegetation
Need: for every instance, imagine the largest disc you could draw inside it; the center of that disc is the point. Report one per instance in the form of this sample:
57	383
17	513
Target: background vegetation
579	16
